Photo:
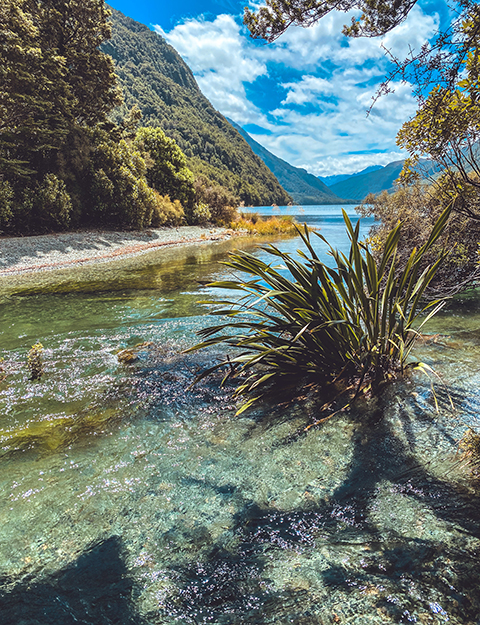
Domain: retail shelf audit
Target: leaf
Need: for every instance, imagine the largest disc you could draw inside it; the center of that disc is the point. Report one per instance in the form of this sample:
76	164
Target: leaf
352	320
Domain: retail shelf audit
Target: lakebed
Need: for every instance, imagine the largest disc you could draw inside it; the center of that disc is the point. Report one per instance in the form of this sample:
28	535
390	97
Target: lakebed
50	252
128	497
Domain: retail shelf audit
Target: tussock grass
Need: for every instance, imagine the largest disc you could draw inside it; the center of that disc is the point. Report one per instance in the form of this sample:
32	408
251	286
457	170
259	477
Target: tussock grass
253	223
351	326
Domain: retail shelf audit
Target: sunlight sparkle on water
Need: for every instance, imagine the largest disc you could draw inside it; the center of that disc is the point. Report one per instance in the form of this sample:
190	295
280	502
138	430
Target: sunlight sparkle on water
154	504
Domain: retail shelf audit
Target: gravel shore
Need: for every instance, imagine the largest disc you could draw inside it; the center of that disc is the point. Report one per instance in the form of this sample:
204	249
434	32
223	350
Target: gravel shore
22	255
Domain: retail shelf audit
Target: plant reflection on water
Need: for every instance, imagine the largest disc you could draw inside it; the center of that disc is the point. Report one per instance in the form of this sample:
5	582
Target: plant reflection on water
173	511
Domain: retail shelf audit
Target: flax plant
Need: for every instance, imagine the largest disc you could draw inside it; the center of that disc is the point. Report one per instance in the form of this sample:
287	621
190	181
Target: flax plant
350	326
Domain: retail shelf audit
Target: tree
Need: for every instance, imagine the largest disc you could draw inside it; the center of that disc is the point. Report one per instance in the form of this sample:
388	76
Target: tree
32	96
53	78
377	18
118	191
56	91
446	129
74	31
167	170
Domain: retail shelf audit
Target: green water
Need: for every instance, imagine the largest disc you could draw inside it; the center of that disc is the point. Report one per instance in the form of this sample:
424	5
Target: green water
126	498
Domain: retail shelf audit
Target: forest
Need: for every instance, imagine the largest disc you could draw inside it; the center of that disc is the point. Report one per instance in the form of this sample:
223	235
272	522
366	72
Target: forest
77	149
153	77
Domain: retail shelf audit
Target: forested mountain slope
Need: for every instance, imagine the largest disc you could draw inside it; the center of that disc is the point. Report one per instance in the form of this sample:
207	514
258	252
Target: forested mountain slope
304	188
154	77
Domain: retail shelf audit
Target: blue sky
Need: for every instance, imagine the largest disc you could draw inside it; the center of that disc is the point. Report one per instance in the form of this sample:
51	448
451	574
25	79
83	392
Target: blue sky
305	96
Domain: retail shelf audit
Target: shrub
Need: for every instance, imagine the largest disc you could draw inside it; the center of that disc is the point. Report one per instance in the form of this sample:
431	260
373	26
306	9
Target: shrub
167	170
6	203
52	205
119	193
166	212
220	201
418	207
351	324
201	214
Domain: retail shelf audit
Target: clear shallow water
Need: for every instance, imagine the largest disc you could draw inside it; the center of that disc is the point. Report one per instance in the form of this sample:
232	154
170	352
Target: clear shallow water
126	498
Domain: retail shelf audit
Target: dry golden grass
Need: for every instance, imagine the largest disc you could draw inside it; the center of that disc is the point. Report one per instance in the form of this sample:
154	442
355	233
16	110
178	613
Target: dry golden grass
253	223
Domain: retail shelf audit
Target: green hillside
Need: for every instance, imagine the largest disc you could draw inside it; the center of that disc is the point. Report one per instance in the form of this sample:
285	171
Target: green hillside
304	188
154	77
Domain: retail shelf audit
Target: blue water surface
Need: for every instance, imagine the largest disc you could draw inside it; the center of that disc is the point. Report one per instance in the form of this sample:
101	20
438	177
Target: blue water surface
128	496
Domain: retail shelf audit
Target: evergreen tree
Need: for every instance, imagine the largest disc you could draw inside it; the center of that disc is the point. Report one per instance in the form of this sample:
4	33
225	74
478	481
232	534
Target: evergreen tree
167	170
56	88
53	78
74	31
32	91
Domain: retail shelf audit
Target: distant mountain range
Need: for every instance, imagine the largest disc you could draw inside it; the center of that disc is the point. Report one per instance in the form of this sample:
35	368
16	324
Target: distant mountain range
331	180
154	77
376	179
359	186
305	189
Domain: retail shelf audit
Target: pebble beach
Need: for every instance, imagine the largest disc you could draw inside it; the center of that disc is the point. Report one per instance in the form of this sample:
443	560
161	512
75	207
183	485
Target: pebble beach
23	255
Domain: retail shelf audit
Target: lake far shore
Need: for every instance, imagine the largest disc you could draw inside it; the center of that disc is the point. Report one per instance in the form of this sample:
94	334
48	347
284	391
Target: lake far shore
23	255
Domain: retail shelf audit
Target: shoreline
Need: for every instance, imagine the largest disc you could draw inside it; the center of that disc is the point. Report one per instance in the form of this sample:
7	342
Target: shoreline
47	252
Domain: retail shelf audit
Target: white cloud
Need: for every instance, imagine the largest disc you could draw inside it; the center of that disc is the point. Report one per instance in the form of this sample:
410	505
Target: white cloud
323	42
307	90
321	123
222	62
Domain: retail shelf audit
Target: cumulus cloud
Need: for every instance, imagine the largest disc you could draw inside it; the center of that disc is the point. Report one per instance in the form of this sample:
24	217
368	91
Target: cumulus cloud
306	47
307	90
329	80
222	62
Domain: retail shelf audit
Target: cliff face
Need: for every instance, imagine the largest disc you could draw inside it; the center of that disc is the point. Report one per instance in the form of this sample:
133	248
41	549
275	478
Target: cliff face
155	78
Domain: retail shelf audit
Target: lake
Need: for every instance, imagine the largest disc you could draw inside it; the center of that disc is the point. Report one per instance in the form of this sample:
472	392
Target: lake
127	497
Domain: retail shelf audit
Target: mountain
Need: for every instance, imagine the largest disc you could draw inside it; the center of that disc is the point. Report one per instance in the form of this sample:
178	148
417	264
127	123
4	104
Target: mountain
382	179
358	187
304	188
155	78
331	180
